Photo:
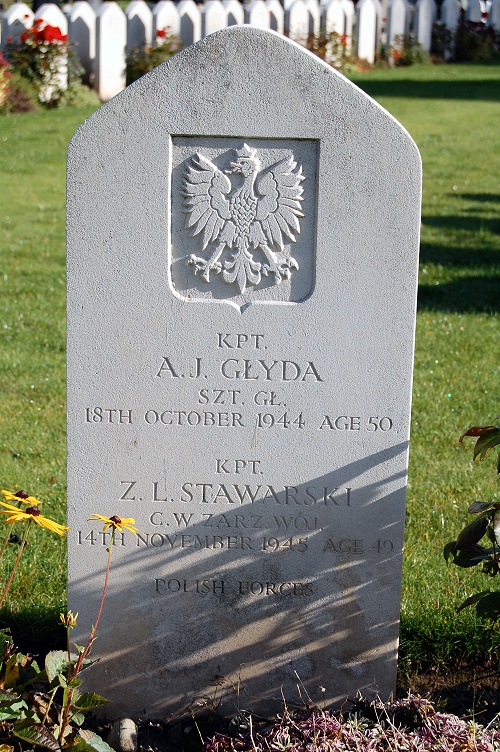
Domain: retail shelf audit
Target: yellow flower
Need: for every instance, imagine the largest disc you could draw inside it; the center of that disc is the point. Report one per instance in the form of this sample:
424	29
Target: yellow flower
117	523
69	619
21	496
32	513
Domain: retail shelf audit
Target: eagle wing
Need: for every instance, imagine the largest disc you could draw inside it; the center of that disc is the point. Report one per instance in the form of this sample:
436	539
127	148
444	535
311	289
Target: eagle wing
204	189
279	201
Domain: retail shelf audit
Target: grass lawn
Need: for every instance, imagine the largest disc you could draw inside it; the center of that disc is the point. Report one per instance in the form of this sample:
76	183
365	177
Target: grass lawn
452	112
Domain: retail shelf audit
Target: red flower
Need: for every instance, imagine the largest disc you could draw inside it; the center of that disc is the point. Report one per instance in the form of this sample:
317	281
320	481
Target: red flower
9	40
26	15
24	36
53	34
37	21
161	33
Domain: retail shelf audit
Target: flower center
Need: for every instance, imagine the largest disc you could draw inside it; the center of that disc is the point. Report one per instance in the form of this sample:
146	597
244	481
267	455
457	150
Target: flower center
33	511
116	520
21	495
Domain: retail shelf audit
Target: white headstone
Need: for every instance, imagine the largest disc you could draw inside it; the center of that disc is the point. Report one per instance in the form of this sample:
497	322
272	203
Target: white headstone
398	21
82	32
235	12
494	15
15	21
190	22
366	30
165	18
139	25
314	16
450	14
51	14
334	17
213	17
257	14
297	21
240	336
350	15
111	38
476	10
423	19
276	16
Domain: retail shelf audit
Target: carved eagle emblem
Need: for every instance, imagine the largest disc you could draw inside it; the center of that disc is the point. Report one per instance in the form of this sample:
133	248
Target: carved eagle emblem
245	217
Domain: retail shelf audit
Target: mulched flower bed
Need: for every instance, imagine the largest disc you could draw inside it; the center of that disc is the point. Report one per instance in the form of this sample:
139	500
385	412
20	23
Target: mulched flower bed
412	724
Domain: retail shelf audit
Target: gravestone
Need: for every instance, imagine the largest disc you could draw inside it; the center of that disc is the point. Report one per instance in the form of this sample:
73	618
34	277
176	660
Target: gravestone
276	16
398	22
82	32
189	22
235	12
367	29
213	17
257	14
14	22
165	18
111	40
424	17
242	264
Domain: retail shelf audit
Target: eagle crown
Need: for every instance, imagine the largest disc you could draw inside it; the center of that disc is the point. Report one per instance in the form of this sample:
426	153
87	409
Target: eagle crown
246	164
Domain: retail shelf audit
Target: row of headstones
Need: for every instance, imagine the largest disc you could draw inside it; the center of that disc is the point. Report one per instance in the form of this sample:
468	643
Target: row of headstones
102	39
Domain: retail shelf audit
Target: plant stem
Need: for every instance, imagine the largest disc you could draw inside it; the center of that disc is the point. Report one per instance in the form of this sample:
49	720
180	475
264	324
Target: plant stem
16	564
7	537
72	676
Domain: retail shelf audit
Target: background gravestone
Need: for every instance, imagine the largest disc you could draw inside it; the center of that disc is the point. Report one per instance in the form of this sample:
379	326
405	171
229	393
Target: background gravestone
242	263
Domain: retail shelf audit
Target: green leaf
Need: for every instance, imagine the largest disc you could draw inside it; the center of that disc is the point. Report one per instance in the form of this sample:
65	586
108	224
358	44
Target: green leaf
89	700
475	431
91	743
483	506
489	606
56	662
38	735
78	719
470	557
472	533
472	600
449	550
489	438
8	697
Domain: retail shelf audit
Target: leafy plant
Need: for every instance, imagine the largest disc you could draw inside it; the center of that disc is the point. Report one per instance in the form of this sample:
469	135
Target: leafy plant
46	58
49	717
476	41
406	51
28	707
141	61
332	48
466	551
5	75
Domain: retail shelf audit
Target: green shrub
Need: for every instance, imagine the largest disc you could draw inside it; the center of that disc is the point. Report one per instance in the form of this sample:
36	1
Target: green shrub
465	551
44	56
332	48
21	96
141	61
476	41
78	95
406	51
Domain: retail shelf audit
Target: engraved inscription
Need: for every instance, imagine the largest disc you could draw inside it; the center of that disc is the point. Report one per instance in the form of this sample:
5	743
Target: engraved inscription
244	216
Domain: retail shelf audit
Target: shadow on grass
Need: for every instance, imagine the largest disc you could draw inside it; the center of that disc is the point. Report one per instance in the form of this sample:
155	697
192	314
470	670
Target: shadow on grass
485	89
470	223
464	295
483	197
481	258
34	630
